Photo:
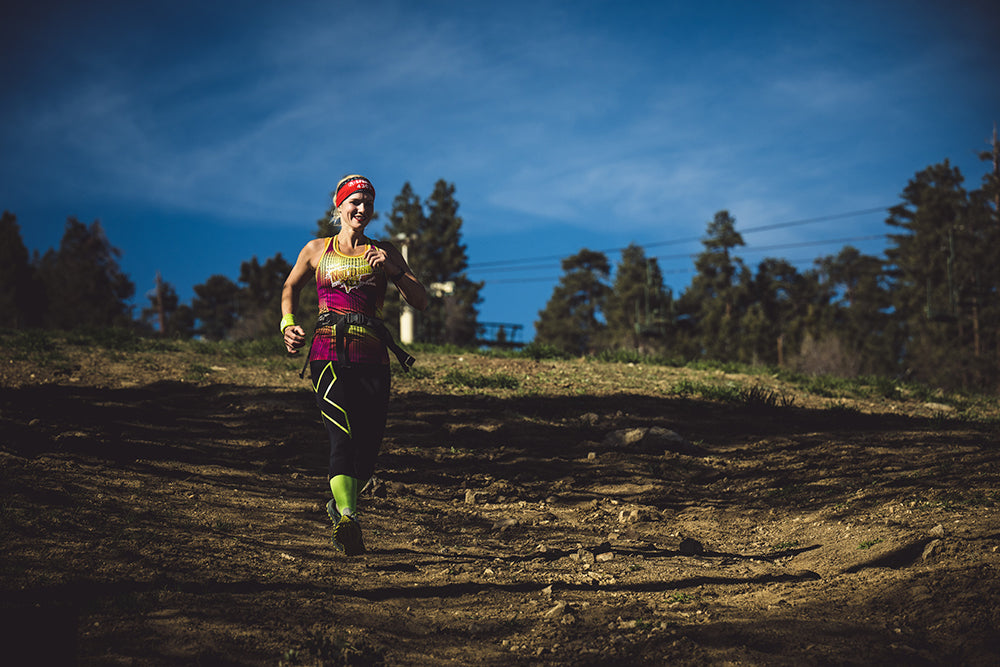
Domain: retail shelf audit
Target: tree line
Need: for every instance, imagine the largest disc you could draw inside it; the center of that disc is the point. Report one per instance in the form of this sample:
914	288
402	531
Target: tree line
80	284
927	309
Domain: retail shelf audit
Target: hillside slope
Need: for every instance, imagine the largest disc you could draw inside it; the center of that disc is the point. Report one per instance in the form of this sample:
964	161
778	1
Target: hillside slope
165	507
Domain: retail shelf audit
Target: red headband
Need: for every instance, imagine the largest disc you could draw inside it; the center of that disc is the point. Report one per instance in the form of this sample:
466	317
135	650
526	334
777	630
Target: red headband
352	186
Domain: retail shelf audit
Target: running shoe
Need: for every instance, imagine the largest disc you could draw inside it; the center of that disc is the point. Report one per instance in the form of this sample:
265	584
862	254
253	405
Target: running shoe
348	533
331	511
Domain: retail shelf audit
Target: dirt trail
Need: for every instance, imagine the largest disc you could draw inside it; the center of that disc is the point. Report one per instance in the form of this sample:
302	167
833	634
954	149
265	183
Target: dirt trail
173	523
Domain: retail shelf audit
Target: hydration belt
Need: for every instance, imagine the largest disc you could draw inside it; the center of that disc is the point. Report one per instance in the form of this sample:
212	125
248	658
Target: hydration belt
340	323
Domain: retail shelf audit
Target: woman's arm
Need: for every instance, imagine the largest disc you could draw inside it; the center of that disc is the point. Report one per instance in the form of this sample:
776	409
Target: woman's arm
386	255
294	335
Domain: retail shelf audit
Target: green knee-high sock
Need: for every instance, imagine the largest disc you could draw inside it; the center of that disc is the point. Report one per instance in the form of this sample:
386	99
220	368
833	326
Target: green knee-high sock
345	493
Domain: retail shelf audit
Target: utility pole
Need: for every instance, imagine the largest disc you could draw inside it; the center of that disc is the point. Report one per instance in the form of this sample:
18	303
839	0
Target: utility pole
159	304
994	155
405	309
996	167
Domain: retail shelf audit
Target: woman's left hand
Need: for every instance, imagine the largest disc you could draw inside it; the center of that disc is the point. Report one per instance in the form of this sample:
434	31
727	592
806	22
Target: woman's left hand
378	257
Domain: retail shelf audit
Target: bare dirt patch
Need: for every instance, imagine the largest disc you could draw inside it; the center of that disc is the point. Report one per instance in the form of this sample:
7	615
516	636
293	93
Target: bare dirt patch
160	510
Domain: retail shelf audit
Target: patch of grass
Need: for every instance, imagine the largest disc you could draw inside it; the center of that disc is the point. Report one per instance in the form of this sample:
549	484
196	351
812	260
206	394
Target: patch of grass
34	346
868	544
636	357
867	387
828	386
754	397
724	366
680	598
784	546
473	380
196	372
435	348
844	410
954	500
976	409
540	351
250	349
729	393
881	387
118	339
758	397
337	649
621	357
415	373
265	353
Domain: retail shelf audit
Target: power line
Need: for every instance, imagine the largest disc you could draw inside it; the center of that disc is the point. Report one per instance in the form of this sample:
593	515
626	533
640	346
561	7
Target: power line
666	272
784	246
754	250
823	218
806	244
544	279
751	230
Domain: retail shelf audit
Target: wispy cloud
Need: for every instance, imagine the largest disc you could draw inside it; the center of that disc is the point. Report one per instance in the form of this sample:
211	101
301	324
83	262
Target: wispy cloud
559	118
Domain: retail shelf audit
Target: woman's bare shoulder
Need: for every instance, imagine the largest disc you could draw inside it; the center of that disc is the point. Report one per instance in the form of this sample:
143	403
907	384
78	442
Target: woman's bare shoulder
311	253
315	247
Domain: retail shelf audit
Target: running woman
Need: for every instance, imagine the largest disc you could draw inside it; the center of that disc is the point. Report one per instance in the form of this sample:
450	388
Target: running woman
348	360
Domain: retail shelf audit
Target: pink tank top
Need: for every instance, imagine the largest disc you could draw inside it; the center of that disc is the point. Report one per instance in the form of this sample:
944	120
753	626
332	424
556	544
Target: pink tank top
349	284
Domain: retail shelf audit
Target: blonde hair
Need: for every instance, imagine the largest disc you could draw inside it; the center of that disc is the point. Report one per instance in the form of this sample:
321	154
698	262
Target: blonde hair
335	219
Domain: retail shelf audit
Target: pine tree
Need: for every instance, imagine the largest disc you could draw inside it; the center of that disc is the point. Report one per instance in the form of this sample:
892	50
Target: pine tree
860	324
453	318
991	179
438	258
983	292
406	222
572	318
639	311
783	306
21	295
85	288
260	296
761	337
178	318
216	306
925	264
711	302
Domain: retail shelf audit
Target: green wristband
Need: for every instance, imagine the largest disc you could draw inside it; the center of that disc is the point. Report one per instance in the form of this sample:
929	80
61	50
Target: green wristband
287	321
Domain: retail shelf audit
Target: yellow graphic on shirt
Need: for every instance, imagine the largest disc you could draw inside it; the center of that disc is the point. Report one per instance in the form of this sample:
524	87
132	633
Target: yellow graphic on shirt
337	270
349	275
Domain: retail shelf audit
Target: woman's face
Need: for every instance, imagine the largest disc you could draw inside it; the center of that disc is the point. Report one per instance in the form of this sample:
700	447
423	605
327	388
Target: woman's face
356	211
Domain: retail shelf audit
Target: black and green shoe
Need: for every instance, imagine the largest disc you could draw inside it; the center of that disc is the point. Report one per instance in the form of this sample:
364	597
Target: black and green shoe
331	511
347	533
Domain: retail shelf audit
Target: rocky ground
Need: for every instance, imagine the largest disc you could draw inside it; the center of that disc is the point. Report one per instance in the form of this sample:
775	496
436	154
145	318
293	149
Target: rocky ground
164	511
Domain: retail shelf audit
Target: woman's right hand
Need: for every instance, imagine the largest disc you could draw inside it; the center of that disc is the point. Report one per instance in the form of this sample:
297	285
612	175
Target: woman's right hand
295	337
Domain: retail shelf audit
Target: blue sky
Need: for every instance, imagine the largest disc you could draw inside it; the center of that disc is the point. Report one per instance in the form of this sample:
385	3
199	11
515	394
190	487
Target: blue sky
203	134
